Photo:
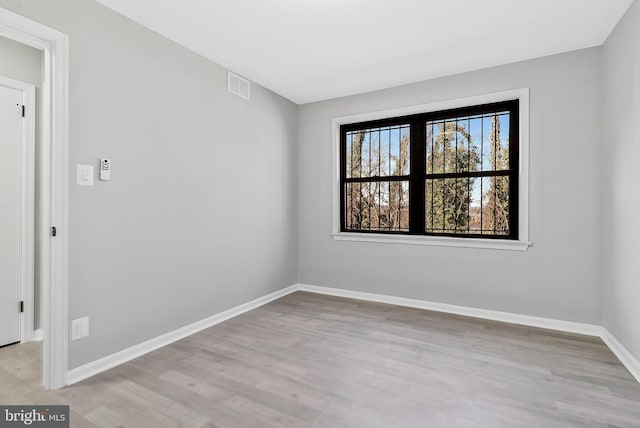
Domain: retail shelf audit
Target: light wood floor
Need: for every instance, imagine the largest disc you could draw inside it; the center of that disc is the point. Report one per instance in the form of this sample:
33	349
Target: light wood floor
308	360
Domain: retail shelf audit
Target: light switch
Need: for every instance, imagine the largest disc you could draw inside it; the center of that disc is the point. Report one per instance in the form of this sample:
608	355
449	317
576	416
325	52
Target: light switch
84	175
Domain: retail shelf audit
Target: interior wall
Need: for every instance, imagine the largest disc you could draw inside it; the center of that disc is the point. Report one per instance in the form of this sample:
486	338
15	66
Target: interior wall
24	63
200	212
183	231
558	277
621	63
20	62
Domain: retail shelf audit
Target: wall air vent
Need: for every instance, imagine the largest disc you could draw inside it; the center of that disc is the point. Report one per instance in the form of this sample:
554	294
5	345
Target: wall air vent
238	85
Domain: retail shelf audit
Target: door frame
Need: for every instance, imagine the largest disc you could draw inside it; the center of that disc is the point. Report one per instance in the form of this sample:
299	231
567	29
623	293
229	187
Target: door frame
53	198
27	205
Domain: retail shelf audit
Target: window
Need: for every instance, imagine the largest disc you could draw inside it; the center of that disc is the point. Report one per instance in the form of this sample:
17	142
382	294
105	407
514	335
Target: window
451	173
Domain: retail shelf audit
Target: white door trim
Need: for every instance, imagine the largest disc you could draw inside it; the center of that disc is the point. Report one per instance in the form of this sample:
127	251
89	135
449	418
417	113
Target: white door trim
27	203
54	188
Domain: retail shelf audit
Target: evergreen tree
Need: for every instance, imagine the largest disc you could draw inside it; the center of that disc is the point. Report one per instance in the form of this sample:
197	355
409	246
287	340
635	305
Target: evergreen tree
384	205
398	198
495	204
450	149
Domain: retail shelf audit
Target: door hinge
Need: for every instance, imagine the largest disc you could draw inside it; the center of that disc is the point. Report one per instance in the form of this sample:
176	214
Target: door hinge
23	109
21	306
54	231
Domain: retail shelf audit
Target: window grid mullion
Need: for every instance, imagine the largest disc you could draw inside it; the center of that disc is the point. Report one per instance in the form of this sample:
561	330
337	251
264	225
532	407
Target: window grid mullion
417	162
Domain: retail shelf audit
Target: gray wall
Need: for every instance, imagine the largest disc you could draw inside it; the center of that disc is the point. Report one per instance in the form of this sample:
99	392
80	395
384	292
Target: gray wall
200	213
24	63
20	62
559	277
621	59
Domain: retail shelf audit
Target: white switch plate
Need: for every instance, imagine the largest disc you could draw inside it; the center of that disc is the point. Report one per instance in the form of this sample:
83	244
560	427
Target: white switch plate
84	175
79	328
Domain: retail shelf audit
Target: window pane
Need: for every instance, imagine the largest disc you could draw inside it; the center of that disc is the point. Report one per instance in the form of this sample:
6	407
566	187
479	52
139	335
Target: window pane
400	151
486	144
447	205
504	142
495	205
365	149
451	146
475	206
468	205
462	145
430	144
475	128
377	206
378	152
349	142
384	136
495	141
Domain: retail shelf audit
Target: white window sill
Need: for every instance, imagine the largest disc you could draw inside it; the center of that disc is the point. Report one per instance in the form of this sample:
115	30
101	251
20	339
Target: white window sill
442	241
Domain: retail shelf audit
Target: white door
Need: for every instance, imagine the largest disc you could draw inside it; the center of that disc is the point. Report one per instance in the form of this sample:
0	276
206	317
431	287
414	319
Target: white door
10	214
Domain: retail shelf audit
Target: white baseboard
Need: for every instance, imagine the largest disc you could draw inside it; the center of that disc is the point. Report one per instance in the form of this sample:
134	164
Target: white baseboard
110	361
37	335
93	368
531	321
625	357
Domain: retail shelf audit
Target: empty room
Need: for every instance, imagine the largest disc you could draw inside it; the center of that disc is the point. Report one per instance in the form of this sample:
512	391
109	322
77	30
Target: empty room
319	213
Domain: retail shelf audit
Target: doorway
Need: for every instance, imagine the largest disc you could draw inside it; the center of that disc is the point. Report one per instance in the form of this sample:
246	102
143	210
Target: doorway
53	182
17	210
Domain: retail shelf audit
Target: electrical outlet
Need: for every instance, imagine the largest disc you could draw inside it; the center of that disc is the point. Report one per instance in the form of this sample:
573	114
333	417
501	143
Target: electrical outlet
79	328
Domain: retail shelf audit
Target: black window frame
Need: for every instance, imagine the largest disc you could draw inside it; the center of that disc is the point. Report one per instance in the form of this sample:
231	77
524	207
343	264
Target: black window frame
418	176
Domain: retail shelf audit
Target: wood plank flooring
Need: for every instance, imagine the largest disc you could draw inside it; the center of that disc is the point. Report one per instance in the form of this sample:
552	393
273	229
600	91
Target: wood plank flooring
308	360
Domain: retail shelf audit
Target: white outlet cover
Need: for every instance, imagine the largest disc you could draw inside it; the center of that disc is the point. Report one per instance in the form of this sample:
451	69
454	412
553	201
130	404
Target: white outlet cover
79	328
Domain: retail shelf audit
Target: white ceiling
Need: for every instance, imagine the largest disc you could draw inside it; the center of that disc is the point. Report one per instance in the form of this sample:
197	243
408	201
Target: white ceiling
310	50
